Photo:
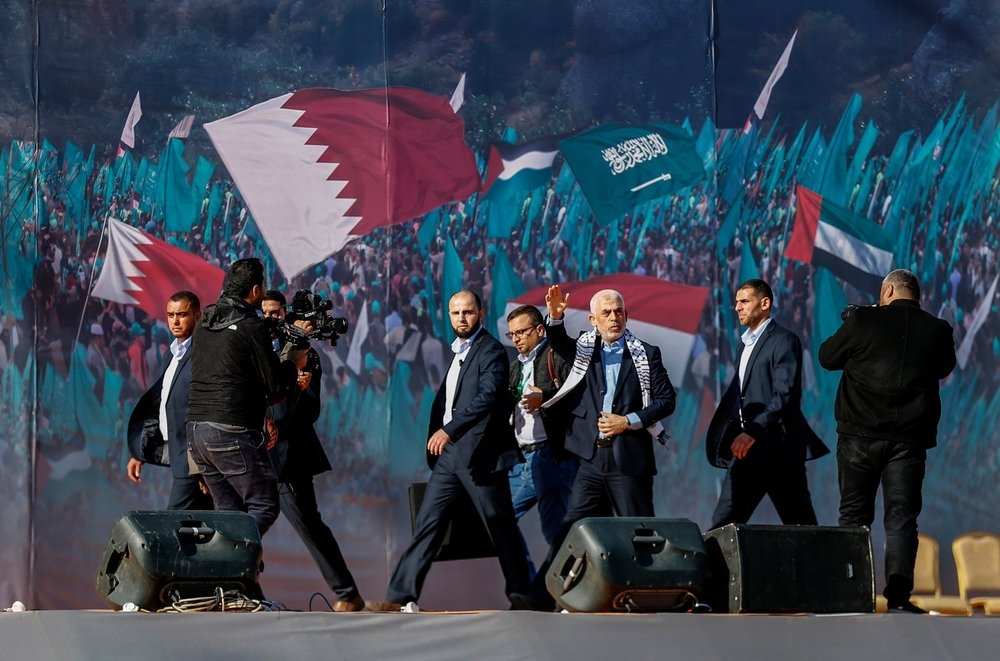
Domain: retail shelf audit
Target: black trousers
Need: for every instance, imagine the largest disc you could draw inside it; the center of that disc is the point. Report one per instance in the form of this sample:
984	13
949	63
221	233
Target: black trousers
599	489
298	504
185	494
492	499
765	471
862	465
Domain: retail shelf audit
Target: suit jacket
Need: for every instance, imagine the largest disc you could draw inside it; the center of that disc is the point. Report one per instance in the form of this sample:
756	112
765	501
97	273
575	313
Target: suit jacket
893	357
299	452
145	441
550	371
479	429
770	400
633	450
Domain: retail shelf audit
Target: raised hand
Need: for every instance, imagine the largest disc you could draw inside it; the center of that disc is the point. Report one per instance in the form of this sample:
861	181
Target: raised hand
556	300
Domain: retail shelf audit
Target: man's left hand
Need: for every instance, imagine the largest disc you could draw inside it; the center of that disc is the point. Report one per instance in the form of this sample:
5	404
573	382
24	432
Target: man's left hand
271	431
742	444
437	442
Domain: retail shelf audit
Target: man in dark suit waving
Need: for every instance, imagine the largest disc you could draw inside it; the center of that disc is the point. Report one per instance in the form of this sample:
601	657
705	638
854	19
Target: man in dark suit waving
616	394
156	432
470	447
758	431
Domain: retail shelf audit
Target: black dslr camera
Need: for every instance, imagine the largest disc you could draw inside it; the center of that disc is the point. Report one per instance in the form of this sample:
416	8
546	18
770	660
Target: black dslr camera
307	306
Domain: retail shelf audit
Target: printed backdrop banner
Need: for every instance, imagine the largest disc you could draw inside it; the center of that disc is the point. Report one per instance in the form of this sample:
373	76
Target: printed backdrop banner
325	145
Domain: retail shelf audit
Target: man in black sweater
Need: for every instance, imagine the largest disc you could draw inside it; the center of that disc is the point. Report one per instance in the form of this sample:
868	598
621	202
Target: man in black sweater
233	373
893	355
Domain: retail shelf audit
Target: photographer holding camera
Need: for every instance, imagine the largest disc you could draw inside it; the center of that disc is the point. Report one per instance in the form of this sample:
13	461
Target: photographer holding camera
234	372
298	455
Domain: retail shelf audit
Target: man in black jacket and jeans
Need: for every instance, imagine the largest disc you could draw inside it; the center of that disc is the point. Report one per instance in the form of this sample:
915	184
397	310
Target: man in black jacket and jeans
233	373
893	355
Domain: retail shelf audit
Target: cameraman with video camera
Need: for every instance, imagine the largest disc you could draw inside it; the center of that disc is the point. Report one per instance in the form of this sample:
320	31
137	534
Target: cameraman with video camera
298	454
234	372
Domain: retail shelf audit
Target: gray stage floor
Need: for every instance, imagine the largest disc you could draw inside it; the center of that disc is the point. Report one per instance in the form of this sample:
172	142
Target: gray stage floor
106	635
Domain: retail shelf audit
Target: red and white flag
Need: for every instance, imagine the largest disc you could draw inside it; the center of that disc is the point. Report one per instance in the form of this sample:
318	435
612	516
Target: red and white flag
319	167
779	70
144	271
134	115
661	313
183	128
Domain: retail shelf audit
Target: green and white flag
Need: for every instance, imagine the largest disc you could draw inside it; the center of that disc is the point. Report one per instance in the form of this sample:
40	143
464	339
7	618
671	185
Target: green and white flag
619	166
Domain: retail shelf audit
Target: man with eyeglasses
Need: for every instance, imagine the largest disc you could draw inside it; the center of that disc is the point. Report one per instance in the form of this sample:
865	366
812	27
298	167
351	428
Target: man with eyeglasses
546	476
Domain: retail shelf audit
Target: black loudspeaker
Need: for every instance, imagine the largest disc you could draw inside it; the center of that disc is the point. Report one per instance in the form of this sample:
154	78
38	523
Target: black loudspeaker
471	540
790	569
155	558
629	564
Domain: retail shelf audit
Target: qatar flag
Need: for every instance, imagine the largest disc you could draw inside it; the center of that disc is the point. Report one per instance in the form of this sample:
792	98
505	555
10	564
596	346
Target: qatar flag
144	271
319	167
661	313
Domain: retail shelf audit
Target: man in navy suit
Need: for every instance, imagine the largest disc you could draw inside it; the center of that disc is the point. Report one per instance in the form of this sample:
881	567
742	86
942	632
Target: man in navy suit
758	432
470	447
156	430
616	394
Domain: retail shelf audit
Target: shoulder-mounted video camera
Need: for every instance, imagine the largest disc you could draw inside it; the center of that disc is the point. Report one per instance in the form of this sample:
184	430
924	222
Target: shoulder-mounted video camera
307	306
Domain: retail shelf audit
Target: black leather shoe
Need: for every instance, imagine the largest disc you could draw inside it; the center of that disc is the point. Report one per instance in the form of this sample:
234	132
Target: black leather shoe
905	607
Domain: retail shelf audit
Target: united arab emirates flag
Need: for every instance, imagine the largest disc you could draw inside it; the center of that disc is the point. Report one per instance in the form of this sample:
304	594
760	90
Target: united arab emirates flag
852	247
620	166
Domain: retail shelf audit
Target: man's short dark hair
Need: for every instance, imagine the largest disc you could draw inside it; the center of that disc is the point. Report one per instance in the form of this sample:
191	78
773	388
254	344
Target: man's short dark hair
905	281
469	292
758	287
243	276
184	295
529	311
275	295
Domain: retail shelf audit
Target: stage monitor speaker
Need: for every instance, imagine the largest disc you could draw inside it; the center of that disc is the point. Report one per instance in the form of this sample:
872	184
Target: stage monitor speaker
629	564
466	536
155	558
790	569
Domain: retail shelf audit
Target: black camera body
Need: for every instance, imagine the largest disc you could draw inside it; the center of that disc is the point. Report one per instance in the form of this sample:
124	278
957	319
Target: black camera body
307	306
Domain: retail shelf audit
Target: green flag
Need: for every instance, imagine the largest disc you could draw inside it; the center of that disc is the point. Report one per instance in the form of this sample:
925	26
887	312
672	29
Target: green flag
619	166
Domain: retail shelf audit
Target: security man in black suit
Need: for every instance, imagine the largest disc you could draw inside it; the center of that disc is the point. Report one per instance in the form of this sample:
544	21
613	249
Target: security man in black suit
470	448
888	406
758	432
156	431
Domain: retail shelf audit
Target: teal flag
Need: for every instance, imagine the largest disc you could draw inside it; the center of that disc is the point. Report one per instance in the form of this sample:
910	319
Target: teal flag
620	166
451	282
507	286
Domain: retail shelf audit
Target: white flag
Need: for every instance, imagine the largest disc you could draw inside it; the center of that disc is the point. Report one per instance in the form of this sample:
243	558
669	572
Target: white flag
134	115
360	335
458	96
779	70
978	319
183	128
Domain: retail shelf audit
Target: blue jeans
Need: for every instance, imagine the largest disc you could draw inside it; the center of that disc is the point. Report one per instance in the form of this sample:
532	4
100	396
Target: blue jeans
546	482
865	463
237	470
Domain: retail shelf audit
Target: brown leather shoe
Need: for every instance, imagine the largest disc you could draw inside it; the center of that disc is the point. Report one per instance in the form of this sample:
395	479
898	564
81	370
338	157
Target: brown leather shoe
349	605
383	606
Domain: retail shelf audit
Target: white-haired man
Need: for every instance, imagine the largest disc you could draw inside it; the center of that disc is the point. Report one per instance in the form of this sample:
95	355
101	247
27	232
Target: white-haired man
614	397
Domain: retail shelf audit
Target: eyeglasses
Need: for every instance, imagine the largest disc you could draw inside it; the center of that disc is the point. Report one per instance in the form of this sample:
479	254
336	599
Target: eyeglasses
518	334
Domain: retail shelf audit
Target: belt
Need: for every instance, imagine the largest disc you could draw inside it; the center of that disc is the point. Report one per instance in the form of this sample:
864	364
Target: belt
604	442
531	447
